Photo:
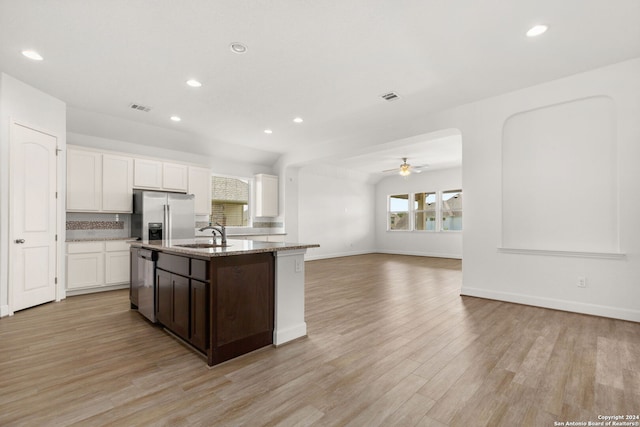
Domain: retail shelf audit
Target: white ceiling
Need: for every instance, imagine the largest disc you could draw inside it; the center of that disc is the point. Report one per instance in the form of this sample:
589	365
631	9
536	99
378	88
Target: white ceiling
325	61
428	152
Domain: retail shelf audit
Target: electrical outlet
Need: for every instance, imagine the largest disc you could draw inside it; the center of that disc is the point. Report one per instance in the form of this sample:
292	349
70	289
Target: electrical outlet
582	282
298	266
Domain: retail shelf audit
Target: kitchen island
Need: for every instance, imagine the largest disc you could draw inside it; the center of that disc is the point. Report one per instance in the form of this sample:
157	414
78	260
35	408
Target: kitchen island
227	301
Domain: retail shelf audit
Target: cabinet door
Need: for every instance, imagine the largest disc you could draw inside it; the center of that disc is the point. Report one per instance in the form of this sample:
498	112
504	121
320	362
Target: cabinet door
147	174
180	318
85	270
164	307
174	177
199	304
84	180
117	266
200	186
117	183
266	195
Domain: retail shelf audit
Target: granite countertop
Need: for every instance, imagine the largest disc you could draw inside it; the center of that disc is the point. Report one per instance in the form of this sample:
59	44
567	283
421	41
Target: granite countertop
254	234
99	239
235	247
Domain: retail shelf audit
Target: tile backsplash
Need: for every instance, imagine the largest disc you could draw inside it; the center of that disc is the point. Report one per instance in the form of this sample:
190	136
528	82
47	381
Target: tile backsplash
104	226
97	225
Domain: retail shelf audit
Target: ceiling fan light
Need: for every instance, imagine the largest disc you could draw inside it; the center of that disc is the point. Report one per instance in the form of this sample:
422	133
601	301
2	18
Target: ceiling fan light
405	169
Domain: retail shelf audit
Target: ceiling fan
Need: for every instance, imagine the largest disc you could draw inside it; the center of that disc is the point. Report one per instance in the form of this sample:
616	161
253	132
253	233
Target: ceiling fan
406	169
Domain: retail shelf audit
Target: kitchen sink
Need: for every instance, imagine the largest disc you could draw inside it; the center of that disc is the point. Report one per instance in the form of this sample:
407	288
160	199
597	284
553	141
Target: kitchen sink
203	245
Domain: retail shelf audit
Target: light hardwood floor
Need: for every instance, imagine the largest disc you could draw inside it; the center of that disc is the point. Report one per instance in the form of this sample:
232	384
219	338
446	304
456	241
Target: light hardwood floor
391	343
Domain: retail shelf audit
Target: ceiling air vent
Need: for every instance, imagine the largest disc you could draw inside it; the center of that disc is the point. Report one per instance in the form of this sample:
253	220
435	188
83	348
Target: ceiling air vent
390	96
140	107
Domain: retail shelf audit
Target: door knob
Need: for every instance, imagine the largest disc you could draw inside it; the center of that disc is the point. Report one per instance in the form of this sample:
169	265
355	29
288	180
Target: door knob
19	240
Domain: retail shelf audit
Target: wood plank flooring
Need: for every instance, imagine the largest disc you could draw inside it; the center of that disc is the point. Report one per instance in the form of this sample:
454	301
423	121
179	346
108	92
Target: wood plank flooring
391	343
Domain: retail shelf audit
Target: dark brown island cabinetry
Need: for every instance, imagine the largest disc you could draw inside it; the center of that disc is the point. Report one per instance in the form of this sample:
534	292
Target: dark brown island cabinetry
223	307
176	279
242	300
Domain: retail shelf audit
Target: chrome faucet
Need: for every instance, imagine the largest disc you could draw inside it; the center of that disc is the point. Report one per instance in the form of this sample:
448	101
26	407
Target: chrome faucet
220	229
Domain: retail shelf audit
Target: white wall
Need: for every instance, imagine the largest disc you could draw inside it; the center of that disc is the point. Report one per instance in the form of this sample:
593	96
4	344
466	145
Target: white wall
425	243
28	106
335	210
551	197
550	279
542	278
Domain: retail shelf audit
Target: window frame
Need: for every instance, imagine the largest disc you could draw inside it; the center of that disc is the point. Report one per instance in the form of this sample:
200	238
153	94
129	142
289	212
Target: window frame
250	198
439	212
408	212
424	211
441	223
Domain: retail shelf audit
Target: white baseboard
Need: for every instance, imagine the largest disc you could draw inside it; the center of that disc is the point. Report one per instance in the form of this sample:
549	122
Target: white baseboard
556	304
311	257
417	253
104	288
281	336
4	310
382	251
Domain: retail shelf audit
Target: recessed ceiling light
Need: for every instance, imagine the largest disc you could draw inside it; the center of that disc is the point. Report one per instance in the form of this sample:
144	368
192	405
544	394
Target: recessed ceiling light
537	30
298	120
237	47
194	83
175	118
32	54
268	131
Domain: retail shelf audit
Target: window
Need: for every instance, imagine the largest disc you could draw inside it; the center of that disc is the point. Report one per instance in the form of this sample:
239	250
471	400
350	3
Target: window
428	211
230	201
451	210
424	205
399	212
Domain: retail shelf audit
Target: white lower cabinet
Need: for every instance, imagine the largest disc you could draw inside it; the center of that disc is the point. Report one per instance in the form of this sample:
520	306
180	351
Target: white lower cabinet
96	266
85	270
117	262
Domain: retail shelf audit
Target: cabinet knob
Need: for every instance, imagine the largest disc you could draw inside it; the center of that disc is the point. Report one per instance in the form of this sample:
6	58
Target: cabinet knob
19	240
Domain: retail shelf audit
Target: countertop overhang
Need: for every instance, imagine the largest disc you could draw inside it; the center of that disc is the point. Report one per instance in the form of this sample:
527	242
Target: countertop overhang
235	247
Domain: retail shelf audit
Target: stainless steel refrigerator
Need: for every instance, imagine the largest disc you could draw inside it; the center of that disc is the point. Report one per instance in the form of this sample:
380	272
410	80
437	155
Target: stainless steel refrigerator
162	216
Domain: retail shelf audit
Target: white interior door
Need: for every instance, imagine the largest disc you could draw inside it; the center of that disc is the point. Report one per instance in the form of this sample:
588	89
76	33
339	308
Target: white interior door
32	218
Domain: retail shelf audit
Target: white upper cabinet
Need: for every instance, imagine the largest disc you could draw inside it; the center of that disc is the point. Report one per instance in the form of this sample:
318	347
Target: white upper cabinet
147	174
104	181
98	182
157	175
84	180
174	177
266	195
117	183
200	186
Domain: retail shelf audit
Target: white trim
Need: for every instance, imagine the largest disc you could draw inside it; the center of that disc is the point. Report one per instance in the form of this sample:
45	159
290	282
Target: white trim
309	257
576	254
95	289
556	304
424	254
4	310
282	336
383	251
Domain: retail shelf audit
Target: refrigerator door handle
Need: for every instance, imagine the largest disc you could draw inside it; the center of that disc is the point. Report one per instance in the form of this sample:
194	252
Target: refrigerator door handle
165	223
169	225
